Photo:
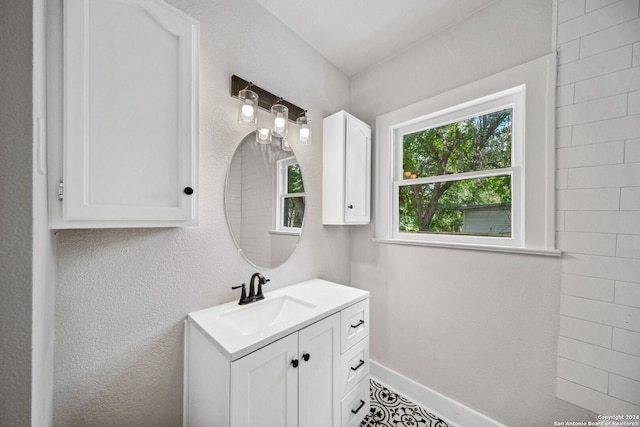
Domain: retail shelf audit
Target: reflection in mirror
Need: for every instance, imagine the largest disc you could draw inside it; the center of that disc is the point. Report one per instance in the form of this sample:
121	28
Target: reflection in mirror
264	201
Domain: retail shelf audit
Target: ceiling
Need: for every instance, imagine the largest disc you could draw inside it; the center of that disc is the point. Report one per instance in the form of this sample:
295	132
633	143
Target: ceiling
357	34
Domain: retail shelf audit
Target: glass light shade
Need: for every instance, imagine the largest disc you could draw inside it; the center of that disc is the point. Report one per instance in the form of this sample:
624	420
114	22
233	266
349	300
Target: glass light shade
248	111
263	136
304	134
280	126
284	145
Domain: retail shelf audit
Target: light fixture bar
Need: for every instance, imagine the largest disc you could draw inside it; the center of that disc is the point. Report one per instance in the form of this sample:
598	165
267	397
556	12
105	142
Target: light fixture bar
265	99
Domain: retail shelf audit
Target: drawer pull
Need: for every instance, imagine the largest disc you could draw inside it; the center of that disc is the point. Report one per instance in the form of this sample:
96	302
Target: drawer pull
360	323
355	411
357	367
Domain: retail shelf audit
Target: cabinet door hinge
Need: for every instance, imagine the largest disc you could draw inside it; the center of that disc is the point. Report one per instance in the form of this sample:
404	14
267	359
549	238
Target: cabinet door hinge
60	190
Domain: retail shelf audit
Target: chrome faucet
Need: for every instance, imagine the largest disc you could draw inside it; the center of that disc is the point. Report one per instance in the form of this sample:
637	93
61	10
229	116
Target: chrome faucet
253	295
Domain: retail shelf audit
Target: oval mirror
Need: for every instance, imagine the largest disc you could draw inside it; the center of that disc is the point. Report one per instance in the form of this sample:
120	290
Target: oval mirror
264	201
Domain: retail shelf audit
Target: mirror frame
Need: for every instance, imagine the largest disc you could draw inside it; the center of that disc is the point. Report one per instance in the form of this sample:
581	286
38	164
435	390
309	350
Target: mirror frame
273	155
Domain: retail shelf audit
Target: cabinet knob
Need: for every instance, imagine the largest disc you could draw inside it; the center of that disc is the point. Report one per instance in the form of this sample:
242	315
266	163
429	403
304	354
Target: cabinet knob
188	191
295	363
350	206
306	357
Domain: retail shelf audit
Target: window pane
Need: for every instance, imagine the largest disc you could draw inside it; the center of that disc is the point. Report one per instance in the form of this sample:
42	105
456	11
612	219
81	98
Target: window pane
470	145
477	207
294	179
293	212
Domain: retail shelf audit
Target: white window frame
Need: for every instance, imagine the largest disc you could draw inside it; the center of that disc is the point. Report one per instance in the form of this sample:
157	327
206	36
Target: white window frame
533	165
281	194
512	98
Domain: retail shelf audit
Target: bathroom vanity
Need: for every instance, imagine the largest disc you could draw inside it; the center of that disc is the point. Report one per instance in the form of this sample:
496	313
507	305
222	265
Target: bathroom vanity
300	357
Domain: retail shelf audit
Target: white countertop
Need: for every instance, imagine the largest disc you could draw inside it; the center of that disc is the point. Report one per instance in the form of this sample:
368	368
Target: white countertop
327	297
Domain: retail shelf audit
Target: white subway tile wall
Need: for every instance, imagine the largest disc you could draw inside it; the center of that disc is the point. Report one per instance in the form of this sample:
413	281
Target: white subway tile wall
626	341
597	199
598	204
587	243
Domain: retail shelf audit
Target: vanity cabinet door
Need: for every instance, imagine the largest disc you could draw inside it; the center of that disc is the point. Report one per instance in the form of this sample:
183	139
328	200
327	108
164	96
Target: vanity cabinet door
346	173
264	386
319	376
128	155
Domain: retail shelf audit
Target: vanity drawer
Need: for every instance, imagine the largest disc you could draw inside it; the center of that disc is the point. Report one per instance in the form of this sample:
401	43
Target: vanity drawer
354	324
355	405
354	366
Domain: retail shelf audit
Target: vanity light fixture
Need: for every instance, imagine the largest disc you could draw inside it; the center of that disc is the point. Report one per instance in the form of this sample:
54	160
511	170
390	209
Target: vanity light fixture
284	145
263	136
304	132
281	113
248	111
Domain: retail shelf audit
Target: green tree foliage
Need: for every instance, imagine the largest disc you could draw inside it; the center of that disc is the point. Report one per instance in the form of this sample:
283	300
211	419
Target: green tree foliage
474	144
294	179
294	206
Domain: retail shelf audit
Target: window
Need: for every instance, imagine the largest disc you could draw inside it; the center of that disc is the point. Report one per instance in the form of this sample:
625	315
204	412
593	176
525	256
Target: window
472	167
290	197
456	176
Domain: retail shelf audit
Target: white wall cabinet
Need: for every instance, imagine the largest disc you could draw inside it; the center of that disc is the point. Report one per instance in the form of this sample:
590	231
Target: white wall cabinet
128	152
346	173
315	376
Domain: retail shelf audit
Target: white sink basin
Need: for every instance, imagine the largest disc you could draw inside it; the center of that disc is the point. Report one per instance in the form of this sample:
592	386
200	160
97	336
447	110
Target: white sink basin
263	314
237	330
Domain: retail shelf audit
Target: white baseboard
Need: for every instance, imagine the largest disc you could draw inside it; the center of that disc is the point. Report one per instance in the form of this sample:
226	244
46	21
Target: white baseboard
451	411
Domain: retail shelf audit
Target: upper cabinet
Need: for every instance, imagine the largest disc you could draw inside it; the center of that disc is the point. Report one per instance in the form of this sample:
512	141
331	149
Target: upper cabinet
346	173
128	151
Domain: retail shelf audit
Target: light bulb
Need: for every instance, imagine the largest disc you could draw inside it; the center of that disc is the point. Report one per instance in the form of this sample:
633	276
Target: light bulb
304	133
247	112
279	122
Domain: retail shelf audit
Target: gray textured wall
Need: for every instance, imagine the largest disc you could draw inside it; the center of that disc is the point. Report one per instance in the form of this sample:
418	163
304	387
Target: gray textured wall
476	326
15	211
122	295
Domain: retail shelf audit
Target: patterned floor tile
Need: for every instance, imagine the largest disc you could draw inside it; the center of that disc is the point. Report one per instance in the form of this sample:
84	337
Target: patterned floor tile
389	409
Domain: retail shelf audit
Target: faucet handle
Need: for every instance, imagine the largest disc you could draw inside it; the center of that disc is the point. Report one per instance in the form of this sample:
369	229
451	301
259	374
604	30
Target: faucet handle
259	294
243	296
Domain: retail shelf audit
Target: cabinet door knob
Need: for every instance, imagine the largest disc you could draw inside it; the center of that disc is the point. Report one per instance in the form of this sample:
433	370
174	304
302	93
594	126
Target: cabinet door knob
188	191
306	357
295	363
350	206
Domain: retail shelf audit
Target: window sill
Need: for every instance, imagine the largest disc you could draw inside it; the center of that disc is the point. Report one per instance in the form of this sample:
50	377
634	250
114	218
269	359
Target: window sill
285	233
489	248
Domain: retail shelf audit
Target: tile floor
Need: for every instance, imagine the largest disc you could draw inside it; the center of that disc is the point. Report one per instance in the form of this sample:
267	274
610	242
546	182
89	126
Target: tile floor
389	409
